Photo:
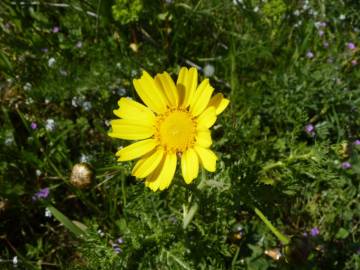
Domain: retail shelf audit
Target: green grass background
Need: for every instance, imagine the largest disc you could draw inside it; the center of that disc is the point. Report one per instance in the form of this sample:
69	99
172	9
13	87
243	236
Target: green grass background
260	52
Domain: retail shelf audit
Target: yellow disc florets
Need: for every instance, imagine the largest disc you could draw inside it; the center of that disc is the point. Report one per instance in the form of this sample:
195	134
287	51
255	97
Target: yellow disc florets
175	130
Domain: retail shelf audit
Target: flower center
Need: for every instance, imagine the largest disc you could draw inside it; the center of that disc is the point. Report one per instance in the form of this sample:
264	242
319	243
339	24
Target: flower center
175	130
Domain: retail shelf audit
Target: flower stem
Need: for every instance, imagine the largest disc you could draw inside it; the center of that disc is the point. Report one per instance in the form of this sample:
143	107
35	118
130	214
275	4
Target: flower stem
284	239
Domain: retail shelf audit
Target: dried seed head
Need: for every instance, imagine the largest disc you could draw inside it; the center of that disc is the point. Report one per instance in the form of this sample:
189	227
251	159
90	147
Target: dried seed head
81	175
274	254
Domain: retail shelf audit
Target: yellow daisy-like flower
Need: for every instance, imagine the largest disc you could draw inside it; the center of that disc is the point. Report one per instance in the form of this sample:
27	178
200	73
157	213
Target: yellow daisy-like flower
174	124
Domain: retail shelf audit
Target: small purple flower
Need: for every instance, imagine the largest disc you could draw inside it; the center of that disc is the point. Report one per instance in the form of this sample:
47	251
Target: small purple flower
79	44
321	33
310	54
358	251
41	194
354	62
310	129
346	165
322	24
116	248
351	46
357	142
56	29
314	231
33	125
120	240
305	234
44	50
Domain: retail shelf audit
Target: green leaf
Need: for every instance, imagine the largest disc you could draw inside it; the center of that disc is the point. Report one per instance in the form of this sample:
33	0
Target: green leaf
66	221
342	233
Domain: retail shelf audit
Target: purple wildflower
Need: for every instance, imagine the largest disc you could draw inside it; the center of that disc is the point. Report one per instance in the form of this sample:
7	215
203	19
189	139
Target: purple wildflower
44	50
314	231
321	33
357	142
33	125
310	54
41	194
351	46
354	62
120	240
116	248
56	29
310	129
346	165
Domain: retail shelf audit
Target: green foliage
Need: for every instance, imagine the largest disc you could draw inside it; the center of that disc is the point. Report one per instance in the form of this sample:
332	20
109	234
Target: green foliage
64	67
127	11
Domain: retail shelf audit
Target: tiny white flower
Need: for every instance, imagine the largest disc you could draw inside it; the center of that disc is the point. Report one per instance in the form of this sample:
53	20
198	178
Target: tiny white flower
256	9
47	213
209	70
29	100
297	12
87	105
121	91
38	173
84	158
50	124
51	62
342	17
74	102
63	72
9	140
15	260
27	86
100	232
134	73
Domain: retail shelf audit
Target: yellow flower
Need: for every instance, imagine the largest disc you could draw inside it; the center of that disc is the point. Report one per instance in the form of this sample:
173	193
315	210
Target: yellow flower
174	124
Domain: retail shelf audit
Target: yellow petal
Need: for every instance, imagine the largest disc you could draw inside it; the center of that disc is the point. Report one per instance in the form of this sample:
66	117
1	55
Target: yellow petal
132	110
219	102
189	165
206	119
136	150
162	176
186	85
166	83
152	96
207	158
201	98
130	130
203	138
147	164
